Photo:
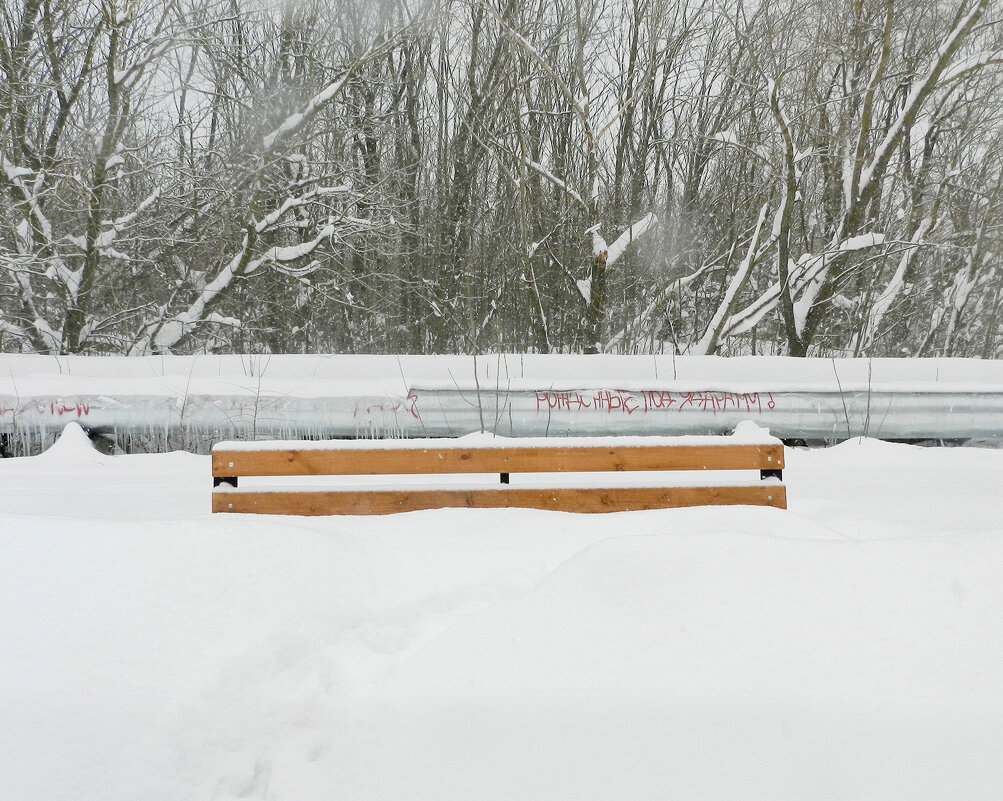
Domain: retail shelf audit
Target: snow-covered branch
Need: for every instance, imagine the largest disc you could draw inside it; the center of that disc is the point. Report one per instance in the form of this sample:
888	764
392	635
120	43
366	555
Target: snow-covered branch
875	169
709	341
296	121
636	231
12	330
110	229
562	185
804	274
41	228
608	255
894	286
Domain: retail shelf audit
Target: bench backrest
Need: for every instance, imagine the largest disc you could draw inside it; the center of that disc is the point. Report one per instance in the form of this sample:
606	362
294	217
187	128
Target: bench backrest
509	459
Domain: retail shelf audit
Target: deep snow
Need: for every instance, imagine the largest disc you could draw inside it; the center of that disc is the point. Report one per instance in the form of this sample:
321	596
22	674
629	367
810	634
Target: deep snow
848	648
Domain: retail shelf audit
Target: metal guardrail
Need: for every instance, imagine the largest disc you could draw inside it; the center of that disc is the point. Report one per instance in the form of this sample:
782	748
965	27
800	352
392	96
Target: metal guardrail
189	402
154	423
194	422
789	415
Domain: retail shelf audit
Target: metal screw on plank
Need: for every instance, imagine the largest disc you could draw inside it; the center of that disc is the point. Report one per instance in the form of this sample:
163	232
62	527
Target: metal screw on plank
231	464
229	506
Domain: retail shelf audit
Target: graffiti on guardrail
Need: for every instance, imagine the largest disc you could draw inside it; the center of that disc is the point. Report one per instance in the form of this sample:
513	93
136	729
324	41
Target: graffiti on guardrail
47	409
628	402
367	408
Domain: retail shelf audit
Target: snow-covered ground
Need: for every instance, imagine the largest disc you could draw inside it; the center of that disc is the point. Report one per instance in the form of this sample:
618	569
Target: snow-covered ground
848	648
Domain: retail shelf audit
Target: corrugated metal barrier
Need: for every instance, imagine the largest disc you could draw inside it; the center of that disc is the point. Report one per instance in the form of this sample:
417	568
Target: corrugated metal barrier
364	398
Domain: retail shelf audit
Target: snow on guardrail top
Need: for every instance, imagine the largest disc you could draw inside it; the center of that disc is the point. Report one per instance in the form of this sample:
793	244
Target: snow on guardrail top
348	375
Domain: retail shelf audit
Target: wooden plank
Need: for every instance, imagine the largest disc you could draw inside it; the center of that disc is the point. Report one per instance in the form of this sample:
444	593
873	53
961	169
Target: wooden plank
611	499
384	461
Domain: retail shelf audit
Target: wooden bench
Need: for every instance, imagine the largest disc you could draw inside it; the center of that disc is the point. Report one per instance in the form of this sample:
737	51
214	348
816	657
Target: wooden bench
234	460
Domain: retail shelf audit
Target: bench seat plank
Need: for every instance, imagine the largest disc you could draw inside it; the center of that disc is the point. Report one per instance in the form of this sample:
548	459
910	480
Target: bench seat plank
608	499
377	461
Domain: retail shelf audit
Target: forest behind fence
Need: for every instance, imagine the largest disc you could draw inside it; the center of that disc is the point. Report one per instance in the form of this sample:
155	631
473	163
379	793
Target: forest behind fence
394	176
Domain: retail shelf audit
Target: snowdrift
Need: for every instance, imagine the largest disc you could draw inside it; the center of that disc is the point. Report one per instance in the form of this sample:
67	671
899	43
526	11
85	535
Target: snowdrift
847	648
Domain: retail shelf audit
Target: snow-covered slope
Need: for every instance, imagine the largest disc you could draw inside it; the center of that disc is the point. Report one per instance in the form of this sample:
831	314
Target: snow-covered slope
848	648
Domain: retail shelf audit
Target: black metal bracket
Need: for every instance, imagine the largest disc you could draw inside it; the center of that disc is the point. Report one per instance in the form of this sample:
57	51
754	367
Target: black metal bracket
504	478
771	474
218	480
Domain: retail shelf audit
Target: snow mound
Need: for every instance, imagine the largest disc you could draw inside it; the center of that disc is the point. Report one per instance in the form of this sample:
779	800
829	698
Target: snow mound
749	431
74	445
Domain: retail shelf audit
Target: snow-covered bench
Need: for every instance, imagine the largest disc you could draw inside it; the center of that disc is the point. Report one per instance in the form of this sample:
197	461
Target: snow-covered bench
646	488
